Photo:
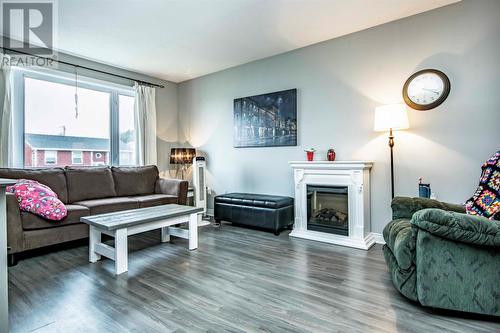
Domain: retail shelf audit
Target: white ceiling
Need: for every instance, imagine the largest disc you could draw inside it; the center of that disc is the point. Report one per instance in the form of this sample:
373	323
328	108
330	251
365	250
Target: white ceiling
178	40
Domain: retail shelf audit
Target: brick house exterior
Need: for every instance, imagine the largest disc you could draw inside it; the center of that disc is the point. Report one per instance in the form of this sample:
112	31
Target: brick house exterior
42	150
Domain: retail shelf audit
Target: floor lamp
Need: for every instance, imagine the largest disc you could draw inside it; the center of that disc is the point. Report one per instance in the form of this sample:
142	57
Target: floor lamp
388	118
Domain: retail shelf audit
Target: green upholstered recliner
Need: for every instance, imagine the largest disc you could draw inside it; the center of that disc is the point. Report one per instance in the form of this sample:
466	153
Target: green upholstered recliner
440	257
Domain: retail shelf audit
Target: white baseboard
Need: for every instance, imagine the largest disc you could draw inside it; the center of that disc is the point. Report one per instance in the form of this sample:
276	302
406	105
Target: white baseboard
363	243
379	239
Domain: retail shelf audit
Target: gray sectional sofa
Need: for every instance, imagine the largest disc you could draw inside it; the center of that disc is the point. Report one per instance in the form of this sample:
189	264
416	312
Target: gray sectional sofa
85	191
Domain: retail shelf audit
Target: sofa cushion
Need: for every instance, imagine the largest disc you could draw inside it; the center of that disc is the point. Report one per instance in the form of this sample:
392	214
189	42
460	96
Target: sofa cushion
255	200
155	200
135	180
400	238
108	205
89	183
53	178
33	222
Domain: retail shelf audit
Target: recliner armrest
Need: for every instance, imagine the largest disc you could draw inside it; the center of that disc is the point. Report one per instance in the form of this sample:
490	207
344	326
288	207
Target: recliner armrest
175	187
458	227
405	207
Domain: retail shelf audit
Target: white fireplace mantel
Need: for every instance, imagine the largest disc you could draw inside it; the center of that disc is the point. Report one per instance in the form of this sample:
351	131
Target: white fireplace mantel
355	175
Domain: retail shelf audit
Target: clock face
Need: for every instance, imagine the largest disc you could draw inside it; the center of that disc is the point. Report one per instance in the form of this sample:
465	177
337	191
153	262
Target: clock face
426	89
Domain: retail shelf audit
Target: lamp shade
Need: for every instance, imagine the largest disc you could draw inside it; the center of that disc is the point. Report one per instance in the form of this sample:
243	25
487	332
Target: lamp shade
182	155
393	116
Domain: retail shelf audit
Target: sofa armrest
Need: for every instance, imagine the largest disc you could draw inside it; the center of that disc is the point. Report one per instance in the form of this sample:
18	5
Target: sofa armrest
175	187
458	227
15	233
405	207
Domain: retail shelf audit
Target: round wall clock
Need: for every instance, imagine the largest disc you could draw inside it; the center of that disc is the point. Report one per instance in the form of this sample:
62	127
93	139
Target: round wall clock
426	89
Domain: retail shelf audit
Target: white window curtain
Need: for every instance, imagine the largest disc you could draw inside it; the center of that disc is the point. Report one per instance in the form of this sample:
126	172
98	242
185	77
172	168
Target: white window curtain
145	119
6	126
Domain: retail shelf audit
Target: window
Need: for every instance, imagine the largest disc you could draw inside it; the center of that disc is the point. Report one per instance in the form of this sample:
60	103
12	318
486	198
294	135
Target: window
91	123
50	157
77	157
127	131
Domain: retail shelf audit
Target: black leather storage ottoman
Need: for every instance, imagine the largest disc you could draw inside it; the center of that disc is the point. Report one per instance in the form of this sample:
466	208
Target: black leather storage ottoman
257	210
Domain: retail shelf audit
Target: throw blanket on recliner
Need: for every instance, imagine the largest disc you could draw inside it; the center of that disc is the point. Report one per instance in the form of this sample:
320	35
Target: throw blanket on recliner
486	200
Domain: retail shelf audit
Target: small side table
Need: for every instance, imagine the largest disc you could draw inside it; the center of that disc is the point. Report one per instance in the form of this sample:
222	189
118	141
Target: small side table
4	304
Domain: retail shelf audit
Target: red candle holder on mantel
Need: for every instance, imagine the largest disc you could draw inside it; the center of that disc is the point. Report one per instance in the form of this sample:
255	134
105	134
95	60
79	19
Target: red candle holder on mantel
310	154
330	156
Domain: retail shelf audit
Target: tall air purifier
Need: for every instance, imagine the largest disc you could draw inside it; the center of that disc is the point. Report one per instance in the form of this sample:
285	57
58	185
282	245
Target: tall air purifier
200	187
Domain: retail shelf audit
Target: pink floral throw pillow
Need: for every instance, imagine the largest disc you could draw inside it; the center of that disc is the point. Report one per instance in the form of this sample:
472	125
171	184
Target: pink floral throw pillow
38	199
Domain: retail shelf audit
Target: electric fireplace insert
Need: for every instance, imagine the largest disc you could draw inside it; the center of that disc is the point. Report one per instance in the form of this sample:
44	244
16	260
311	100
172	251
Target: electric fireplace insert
327	209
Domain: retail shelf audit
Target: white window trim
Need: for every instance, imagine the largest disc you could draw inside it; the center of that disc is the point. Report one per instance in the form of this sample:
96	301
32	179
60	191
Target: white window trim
114	89
45	157
34	157
73	156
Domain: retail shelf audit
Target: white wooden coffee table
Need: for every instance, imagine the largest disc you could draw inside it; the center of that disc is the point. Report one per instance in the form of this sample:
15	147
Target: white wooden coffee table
122	224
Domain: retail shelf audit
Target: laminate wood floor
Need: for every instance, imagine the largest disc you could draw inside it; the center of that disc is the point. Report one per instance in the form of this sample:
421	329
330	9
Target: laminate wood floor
239	280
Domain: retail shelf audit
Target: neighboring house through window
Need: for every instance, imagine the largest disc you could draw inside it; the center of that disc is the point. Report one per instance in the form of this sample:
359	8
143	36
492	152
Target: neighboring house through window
68	149
60	123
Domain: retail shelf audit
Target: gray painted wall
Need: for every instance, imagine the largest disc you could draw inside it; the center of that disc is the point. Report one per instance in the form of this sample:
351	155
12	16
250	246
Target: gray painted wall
340	82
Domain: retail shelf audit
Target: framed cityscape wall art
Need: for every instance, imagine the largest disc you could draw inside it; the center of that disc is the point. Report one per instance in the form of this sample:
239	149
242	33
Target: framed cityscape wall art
267	120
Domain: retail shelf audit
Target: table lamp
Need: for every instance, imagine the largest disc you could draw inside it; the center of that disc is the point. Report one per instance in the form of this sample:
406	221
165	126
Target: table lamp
182	156
388	118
